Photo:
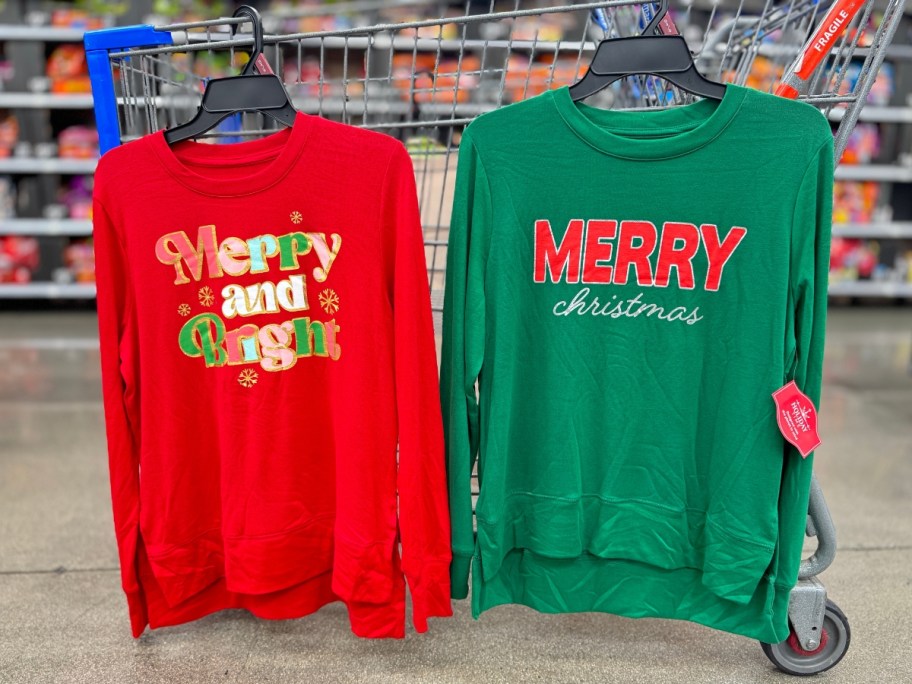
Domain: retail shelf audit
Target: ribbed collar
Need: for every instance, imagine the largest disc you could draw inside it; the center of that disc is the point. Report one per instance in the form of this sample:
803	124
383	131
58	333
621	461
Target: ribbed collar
650	134
187	160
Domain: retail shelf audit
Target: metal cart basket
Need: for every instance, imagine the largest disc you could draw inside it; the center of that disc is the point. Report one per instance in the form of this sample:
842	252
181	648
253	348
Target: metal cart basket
423	80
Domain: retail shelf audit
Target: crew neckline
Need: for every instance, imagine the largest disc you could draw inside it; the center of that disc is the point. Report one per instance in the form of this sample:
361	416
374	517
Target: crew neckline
650	134
185	160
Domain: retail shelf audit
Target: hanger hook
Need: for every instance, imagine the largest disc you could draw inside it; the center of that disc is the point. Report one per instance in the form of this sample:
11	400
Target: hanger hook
653	27
257	29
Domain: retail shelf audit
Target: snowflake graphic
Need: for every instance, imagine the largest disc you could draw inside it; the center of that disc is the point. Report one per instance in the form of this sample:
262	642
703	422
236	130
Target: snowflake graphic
248	378
329	300
184	309
296	217
206	296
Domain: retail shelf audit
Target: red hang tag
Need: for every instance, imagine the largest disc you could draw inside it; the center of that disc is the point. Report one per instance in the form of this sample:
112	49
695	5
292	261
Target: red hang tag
262	66
797	418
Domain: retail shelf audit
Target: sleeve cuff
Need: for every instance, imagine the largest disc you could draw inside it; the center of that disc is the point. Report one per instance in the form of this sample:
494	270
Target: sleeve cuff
430	594
459	575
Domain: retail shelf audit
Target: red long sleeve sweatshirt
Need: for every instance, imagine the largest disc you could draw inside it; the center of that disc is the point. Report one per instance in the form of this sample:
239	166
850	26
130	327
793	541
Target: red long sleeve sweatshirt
266	343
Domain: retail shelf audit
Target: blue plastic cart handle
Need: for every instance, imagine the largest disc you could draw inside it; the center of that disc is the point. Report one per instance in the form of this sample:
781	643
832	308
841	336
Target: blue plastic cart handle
97	45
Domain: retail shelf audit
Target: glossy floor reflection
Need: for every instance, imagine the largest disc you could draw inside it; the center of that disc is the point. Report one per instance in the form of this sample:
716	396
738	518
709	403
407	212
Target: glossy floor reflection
63	617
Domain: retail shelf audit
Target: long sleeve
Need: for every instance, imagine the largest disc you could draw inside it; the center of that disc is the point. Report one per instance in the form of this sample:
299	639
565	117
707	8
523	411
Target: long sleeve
810	269
810	252
423	513
119	386
463	349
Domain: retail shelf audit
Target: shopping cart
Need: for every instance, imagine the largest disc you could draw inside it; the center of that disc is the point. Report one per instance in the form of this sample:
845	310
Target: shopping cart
423	80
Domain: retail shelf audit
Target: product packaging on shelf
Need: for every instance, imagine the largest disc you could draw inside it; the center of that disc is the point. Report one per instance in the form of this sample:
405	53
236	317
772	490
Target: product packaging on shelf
9	134
18	258
78	142
67	70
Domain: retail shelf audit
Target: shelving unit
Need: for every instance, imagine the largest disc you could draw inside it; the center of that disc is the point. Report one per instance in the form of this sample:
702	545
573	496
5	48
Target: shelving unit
47	291
882	173
44	101
889	237
46	172
52	165
896	230
27	37
870	288
43	34
878	114
36	177
21	226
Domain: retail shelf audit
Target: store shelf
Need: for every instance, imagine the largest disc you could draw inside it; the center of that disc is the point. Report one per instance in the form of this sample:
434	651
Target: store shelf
38	226
869	288
49	34
45	101
877	114
891	229
894	51
49	165
47	291
883	173
354	107
383	41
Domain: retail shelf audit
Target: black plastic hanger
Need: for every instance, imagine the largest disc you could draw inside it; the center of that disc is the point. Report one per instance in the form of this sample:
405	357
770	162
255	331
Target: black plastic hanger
665	56
249	92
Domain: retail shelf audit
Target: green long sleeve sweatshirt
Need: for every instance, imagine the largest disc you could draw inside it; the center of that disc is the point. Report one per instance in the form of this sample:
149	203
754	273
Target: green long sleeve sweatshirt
625	291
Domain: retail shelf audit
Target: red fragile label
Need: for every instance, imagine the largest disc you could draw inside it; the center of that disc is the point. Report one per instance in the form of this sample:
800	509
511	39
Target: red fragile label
797	418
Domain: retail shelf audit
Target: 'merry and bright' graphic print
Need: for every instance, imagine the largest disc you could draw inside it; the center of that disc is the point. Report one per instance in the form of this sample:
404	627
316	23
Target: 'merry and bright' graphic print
275	346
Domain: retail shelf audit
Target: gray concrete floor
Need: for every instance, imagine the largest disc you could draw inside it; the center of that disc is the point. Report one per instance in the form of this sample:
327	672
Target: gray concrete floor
63	617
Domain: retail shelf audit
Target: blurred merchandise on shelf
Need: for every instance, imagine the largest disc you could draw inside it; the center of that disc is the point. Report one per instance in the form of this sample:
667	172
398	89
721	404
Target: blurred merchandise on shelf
439	32
453	81
764	74
77	197
7	197
882	89
18	258
316	83
78	142
306	82
9	134
855	201
189	10
527	80
67	69
312	16
79	262
867	34
7	69
543	28
209	64
852	259
94	15
405	67
884	85
863	144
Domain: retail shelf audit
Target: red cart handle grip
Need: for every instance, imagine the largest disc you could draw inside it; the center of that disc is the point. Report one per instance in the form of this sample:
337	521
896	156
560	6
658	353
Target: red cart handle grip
833	25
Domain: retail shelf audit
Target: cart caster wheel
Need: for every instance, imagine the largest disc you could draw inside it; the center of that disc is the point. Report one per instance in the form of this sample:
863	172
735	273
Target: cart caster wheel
789	657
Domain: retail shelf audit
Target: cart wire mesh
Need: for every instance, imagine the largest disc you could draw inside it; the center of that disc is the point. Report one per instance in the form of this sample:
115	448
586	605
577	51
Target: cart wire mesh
422	81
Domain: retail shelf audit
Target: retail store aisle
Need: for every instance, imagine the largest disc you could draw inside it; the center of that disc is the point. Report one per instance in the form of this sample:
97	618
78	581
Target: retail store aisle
63	617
